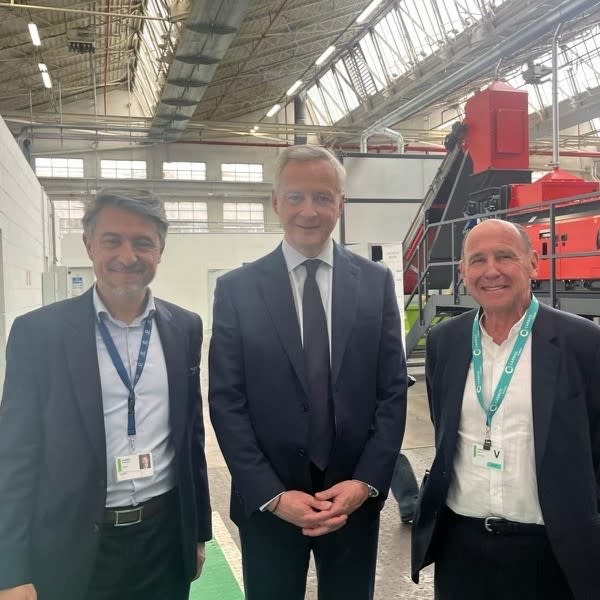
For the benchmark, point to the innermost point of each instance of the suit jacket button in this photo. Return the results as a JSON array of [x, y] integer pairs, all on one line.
[[95, 528], [302, 452]]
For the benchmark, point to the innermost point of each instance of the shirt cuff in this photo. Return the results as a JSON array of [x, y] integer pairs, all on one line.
[[373, 492], [264, 506]]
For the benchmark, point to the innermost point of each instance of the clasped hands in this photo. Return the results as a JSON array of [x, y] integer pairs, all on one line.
[[322, 513]]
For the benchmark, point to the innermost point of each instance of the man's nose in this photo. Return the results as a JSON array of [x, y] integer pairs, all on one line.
[[127, 254], [308, 206], [491, 267]]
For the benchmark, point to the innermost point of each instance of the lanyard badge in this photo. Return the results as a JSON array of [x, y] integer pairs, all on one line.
[[120, 368], [507, 373]]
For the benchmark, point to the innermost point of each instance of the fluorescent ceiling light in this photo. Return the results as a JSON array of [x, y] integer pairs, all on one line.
[[325, 55], [364, 15], [255, 128], [294, 88], [42, 67], [34, 33], [46, 79], [273, 110]]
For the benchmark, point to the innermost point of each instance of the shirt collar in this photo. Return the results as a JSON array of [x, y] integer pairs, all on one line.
[[293, 258], [100, 310], [511, 334]]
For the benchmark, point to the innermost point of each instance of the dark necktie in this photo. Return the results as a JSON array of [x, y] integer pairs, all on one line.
[[316, 351]]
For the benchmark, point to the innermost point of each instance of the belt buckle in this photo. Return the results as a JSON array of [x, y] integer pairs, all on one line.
[[127, 511], [487, 523]]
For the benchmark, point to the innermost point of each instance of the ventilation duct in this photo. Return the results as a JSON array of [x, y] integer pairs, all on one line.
[[210, 28]]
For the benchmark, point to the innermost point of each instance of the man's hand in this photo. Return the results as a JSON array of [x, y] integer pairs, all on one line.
[[345, 498], [307, 512], [200, 558], [21, 592]]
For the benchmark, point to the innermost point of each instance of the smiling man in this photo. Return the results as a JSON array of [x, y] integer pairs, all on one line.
[[308, 394], [103, 483], [510, 509]]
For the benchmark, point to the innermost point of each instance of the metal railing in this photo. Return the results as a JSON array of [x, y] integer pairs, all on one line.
[[543, 210]]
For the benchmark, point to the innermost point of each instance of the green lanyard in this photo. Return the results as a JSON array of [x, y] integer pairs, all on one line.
[[509, 367]]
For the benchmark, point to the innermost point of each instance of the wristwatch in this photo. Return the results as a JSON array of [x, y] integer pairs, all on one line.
[[373, 493]]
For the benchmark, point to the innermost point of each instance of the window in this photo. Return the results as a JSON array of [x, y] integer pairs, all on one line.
[[244, 215], [195, 171], [123, 169], [409, 32], [59, 167], [68, 215], [187, 217], [241, 172]]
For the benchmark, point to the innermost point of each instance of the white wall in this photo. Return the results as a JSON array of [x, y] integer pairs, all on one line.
[[26, 247], [183, 273], [383, 195]]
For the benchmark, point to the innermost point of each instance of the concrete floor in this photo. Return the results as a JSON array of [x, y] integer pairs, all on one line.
[[393, 564]]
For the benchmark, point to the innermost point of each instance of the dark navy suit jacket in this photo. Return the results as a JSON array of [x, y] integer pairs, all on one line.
[[53, 451], [566, 426], [258, 391]]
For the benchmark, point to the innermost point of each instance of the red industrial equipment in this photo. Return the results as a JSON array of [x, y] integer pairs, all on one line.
[[497, 177], [497, 128]]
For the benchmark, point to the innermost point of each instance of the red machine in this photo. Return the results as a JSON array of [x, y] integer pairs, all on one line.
[[496, 145]]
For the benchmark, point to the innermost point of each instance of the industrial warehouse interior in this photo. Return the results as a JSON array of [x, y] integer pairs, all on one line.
[[443, 113]]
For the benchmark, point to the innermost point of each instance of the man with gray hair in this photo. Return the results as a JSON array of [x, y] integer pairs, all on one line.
[[103, 482], [308, 394]]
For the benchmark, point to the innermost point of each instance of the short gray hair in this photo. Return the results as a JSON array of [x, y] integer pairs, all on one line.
[[140, 202], [307, 153]]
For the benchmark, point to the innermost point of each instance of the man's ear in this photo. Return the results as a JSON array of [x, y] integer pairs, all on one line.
[[88, 245]]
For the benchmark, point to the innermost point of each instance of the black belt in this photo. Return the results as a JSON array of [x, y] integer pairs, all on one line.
[[499, 526], [131, 515]]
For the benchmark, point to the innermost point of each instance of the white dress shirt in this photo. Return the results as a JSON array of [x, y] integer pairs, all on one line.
[[324, 277], [153, 432], [512, 493]]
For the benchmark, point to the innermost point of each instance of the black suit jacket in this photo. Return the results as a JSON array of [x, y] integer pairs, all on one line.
[[53, 451], [566, 424], [258, 392]]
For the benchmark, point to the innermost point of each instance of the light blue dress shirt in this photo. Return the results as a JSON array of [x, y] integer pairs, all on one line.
[[153, 431]]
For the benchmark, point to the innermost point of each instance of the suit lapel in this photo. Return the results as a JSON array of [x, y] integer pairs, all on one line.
[[545, 360], [344, 304], [82, 363], [454, 379], [174, 342], [277, 294]]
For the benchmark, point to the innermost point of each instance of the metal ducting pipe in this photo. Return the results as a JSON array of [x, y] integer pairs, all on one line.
[[396, 135], [210, 28], [522, 38], [555, 116], [300, 117]]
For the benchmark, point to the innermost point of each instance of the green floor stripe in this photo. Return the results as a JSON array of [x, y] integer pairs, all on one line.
[[217, 581]]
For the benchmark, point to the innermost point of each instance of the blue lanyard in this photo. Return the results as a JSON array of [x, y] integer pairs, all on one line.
[[507, 372], [118, 364]]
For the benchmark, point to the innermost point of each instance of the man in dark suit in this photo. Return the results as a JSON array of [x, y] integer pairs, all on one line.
[[93, 384], [308, 394], [510, 509]]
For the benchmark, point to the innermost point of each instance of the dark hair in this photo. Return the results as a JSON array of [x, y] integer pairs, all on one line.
[[140, 202]]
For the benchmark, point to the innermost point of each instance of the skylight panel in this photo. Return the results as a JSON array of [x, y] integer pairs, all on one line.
[[317, 106]]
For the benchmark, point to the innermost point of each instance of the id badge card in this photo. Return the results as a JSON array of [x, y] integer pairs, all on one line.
[[134, 466], [492, 459]]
